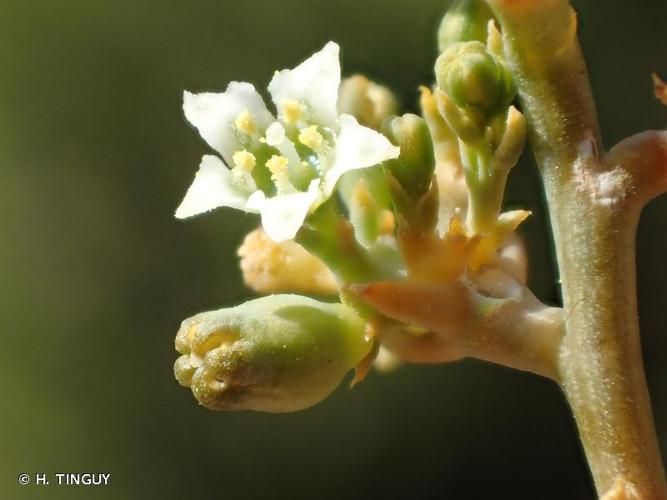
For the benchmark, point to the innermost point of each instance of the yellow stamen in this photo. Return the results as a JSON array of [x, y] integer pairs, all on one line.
[[291, 111], [277, 165], [244, 123], [243, 160], [312, 138]]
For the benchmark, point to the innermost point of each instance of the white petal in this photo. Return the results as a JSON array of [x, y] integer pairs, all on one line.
[[314, 83], [356, 147], [214, 113], [211, 188], [256, 201], [283, 215]]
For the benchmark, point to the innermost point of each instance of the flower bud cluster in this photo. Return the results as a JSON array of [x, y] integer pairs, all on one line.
[[475, 92], [330, 222]]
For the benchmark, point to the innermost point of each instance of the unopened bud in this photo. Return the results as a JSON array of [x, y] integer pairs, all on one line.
[[276, 354], [369, 102], [474, 77], [466, 20]]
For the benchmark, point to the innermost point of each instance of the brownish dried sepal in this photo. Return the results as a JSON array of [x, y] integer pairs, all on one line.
[[659, 89]]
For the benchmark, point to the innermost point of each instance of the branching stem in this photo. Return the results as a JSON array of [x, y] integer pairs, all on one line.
[[488, 316], [594, 211]]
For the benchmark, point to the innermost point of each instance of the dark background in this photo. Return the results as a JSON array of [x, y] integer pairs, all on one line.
[[96, 274]]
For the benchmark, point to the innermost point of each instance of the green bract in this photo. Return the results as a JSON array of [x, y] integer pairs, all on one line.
[[279, 353], [474, 77], [414, 167]]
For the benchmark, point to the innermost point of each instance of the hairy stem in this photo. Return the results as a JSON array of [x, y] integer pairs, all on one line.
[[600, 361], [594, 218]]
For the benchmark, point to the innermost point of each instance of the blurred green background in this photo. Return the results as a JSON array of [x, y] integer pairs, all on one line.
[[96, 273]]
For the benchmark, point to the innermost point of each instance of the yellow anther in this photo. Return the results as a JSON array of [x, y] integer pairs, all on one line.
[[312, 138], [291, 111], [243, 160], [244, 123], [277, 165]]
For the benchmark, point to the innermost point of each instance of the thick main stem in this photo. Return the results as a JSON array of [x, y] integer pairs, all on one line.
[[600, 360], [594, 220]]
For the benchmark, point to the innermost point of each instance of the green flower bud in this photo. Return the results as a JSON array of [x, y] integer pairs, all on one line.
[[414, 167], [474, 77], [466, 20], [276, 354]]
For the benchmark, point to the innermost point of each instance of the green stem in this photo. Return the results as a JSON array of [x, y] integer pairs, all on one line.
[[600, 361], [486, 187], [331, 237], [594, 227]]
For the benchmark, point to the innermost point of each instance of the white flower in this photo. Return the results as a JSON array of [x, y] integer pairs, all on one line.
[[282, 168]]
